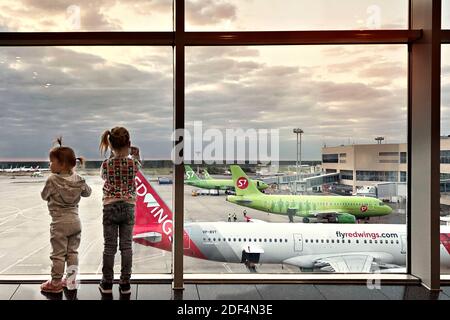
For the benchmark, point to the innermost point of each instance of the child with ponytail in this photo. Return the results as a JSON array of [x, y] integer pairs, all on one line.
[[119, 196]]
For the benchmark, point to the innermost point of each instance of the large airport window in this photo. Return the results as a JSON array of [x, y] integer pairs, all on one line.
[[216, 15], [78, 93], [391, 176], [85, 15], [388, 154], [445, 14], [445, 154], [330, 158], [277, 93], [403, 176], [346, 174], [403, 157]]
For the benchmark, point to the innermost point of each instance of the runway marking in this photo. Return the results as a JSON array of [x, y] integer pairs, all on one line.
[[14, 227], [227, 267], [24, 258]]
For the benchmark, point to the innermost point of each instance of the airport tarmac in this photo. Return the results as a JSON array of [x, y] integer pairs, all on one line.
[[24, 230]]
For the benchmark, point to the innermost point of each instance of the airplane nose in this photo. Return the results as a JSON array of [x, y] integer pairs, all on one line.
[[388, 209]]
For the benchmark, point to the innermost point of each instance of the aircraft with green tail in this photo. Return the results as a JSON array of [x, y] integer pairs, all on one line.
[[218, 184], [333, 209]]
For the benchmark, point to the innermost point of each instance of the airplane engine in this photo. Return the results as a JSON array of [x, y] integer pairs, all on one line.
[[345, 218]]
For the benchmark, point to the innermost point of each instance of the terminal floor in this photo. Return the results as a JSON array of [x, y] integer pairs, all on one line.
[[232, 292]]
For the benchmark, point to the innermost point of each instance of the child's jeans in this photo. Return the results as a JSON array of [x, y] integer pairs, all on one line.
[[118, 220], [65, 239]]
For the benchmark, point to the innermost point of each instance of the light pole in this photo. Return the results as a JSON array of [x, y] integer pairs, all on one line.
[[298, 131]]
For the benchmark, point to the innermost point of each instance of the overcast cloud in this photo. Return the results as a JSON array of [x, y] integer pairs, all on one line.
[[336, 94]]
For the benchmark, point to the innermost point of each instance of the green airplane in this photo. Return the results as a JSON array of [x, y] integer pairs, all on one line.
[[334, 209], [209, 183]]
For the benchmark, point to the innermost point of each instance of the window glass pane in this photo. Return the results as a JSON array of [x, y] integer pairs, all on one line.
[[445, 14], [218, 15], [85, 15], [445, 159], [327, 102], [77, 92]]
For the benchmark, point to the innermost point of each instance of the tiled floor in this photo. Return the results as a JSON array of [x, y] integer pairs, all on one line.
[[230, 292]]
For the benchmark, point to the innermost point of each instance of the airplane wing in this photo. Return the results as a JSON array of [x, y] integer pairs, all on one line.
[[349, 263], [358, 262]]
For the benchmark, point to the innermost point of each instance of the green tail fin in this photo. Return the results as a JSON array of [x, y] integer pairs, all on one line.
[[190, 174], [242, 184], [206, 174]]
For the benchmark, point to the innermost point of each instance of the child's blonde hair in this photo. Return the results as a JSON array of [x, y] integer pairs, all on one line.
[[116, 138], [64, 155]]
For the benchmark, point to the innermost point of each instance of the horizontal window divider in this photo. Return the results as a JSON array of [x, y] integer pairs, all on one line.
[[87, 38], [126, 38], [302, 37], [243, 278], [445, 36]]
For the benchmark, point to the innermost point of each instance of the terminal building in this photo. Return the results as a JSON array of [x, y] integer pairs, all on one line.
[[366, 164], [374, 164]]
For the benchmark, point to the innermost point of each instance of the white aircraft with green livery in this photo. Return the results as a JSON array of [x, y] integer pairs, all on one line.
[[210, 183], [334, 209]]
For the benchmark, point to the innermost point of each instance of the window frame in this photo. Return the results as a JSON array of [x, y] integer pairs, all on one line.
[[429, 20]]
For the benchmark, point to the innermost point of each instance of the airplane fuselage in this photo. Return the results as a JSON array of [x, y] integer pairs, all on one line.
[[360, 207], [220, 184], [296, 244]]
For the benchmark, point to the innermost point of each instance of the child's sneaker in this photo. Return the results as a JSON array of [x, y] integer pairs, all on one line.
[[105, 287], [49, 287], [124, 288], [69, 284]]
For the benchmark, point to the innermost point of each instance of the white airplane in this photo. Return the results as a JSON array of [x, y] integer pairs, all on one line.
[[328, 247]]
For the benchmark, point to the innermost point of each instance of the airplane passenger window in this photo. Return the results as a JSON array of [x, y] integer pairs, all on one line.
[[357, 241], [245, 239], [274, 240], [349, 241], [328, 241]]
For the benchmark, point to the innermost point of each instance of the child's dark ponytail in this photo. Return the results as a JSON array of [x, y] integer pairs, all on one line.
[[117, 138], [104, 142]]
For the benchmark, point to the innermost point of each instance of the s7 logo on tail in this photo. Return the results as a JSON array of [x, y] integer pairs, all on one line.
[[242, 183]]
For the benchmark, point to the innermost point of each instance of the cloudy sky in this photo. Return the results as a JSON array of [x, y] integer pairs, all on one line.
[[336, 94]]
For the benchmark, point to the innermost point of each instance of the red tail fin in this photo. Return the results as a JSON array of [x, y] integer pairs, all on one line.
[[150, 208]]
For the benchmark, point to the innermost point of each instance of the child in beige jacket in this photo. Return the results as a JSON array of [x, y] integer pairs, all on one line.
[[63, 190]]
